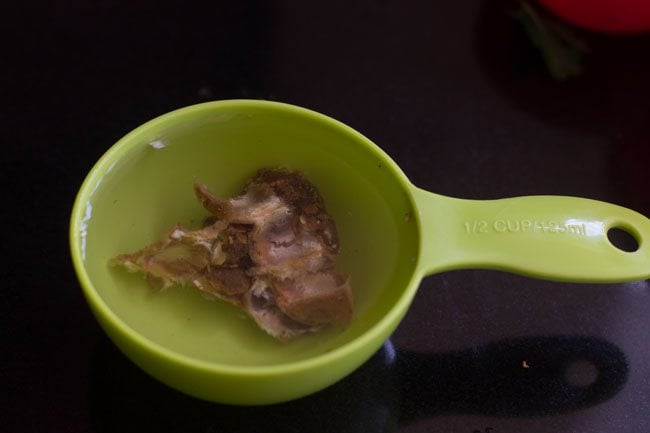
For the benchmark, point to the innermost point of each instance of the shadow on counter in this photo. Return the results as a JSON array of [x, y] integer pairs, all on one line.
[[534, 376]]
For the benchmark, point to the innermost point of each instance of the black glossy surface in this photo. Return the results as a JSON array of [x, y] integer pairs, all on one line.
[[452, 91]]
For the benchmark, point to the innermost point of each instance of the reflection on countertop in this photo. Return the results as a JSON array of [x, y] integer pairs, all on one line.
[[531, 376]]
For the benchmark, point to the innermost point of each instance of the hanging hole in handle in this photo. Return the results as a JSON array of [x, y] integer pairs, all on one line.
[[623, 239]]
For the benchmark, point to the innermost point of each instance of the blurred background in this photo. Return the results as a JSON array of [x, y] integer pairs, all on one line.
[[473, 99]]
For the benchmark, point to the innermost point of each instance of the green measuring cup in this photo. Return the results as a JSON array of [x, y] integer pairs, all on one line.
[[392, 235]]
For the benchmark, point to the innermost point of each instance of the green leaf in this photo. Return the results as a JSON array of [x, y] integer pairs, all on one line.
[[561, 50]]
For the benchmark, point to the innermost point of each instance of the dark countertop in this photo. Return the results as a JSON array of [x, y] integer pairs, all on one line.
[[453, 91]]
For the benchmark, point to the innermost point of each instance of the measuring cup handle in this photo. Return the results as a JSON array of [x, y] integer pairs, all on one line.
[[549, 237]]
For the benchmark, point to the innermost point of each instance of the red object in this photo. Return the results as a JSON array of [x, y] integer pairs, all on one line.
[[608, 16]]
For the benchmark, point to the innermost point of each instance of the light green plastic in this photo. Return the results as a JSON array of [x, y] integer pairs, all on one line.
[[392, 235]]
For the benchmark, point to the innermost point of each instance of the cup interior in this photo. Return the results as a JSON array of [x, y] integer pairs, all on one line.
[[143, 185]]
